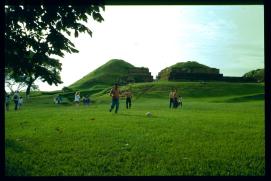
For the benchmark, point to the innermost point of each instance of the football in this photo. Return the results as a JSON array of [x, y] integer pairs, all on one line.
[[149, 114]]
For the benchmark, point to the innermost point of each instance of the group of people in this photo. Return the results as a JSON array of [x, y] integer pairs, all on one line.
[[18, 101], [85, 99], [58, 99], [115, 93], [175, 100]]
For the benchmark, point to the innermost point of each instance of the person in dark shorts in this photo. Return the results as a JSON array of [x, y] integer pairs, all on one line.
[[16, 100], [115, 94], [128, 95], [171, 99], [7, 102], [175, 99]]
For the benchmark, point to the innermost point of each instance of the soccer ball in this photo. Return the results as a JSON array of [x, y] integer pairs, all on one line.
[[148, 114]]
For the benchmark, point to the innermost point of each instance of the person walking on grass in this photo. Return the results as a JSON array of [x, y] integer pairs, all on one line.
[[115, 94], [77, 98], [175, 99], [180, 101], [87, 100], [7, 101], [20, 102], [16, 100], [128, 95], [171, 98]]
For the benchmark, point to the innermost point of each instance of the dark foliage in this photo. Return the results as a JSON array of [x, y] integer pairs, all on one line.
[[34, 33]]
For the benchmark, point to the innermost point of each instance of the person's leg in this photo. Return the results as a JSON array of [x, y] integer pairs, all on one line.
[[16, 105], [117, 106], [174, 103], [112, 105], [170, 102]]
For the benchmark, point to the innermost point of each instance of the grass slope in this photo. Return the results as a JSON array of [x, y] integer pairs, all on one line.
[[106, 74]]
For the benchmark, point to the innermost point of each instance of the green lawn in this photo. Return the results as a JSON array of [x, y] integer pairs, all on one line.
[[208, 136]]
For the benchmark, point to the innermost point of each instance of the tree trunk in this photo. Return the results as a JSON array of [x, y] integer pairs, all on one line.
[[28, 90]]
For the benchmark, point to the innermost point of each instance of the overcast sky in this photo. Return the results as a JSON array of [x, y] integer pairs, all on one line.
[[230, 38]]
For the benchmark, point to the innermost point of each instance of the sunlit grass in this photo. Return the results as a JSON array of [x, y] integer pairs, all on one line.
[[202, 138]]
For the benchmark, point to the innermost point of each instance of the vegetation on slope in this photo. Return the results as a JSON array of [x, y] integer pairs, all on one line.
[[160, 90], [257, 75], [187, 67], [106, 74]]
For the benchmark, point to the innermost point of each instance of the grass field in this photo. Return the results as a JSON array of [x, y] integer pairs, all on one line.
[[220, 133]]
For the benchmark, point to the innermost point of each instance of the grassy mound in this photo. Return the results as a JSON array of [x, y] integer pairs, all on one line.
[[186, 67], [106, 74], [257, 75]]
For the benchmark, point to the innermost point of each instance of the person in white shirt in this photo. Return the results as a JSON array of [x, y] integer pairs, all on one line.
[[77, 98], [20, 102]]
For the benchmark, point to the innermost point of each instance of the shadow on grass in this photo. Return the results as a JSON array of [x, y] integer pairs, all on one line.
[[134, 115], [14, 167], [14, 145], [255, 97]]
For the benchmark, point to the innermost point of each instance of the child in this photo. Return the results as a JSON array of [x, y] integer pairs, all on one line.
[[77, 98], [55, 100], [16, 100], [84, 100], [87, 101], [180, 101], [59, 99], [20, 102], [7, 102]]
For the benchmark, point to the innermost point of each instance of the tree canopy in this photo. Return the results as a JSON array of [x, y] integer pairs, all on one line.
[[33, 33]]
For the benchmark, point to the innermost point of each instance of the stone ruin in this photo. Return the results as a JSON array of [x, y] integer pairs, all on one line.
[[190, 73], [137, 74]]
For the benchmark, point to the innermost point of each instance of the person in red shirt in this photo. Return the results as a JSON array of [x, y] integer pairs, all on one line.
[[115, 94]]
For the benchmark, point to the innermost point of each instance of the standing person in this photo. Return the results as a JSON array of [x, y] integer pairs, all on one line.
[[175, 99], [84, 100], [20, 102], [7, 102], [55, 100], [87, 100], [59, 99], [16, 100], [171, 98], [180, 101], [115, 93], [77, 98], [128, 99]]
